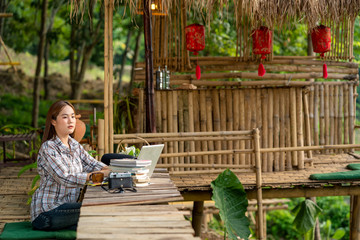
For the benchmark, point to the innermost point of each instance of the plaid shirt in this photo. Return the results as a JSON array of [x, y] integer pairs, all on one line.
[[63, 173]]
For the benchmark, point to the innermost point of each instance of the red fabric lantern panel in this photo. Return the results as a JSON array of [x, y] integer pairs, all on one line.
[[262, 44], [321, 41], [195, 41]]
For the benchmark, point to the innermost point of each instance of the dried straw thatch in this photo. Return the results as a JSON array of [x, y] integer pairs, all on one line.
[[259, 12]]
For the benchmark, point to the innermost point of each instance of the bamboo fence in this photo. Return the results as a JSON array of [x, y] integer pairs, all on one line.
[[322, 114]]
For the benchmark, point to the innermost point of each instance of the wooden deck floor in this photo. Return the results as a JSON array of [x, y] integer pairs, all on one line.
[[287, 180], [13, 195]]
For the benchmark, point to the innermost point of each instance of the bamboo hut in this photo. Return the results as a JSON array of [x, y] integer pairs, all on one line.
[[306, 124]]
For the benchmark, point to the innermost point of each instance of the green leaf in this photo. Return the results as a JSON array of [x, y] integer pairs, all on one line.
[[27, 167], [305, 219], [338, 234], [34, 181], [230, 198]]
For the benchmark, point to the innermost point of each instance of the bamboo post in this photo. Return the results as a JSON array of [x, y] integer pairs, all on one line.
[[203, 120], [191, 121], [332, 114], [170, 109], [316, 115], [264, 104], [322, 115], [164, 119], [158, 110], [196, 101], [216, 116], [141, 110], [299, 122], [276, 121], [247, 123], [340, 119], [242, 122], [351, 116], [229, 120], [346, 113], [260, 219], [270, 117], [223, 121], [253, 117], [101, 138], [327, 115], [236, 122], [288, 141], [282, 128], [311, 112], [354, 217], [307, 122], [182, 122], [111, 77], [106, 77], [293, 125], [175, 126], [209, 122], [258, 115], [336, 116]]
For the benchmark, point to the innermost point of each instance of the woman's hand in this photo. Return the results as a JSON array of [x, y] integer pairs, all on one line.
[[106, 170]]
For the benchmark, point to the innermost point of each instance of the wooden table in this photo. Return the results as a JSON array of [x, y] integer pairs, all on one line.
[[134, 215]]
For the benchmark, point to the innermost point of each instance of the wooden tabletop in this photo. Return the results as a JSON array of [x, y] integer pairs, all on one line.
[[160, 190], [134, 222], [132, 215]]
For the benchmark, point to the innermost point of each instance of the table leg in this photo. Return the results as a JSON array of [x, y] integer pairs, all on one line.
[[197, 215]]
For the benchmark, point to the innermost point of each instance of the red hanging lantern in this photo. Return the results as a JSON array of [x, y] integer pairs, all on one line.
[[321, 41], [195, 41], [262, 44]]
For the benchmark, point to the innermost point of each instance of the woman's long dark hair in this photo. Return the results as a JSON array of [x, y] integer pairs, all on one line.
[[54, 110]]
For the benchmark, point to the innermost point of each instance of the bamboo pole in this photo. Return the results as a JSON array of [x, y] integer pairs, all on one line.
[[351, 115], [197, 122], [202, 165], [340, 120], [106, 77], [316, 115], [209, 122], [299, 122], [265, 130], [346, 113], [191, 121], [164, 119], [223, 121], [242, 122], [182, 122], [170, 109], [332, 115], [288, 142], [248, 122], [327, 114], [270, 117], [282, 121], [307, 122], [310, 97], [260, 219], [229, 120], [258, 115], [322, 115], [293, 119], [158, 110], [236, 125], [203, 120], [336, 115], [165, 139], [216, 116], [308, 148], [141, 111], [252, 118], [111, 77], [101, 138], [174, 116]]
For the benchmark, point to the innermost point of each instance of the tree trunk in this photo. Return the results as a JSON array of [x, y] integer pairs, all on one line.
[[46, 70], [123, 60], [36, 93], [135, 57], [80, 52]]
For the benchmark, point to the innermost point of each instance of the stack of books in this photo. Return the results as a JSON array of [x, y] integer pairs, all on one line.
[[139, 169]]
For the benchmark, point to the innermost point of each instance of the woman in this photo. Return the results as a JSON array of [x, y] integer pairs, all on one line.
[[64, 167]]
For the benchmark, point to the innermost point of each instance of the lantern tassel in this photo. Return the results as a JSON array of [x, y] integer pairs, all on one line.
[[198, 72], [325, 73], [261, 70]]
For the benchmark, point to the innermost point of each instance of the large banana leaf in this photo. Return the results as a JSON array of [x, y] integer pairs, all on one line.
[[230, 198]]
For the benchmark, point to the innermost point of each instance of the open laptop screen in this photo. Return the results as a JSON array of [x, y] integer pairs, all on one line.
[[151, 152]]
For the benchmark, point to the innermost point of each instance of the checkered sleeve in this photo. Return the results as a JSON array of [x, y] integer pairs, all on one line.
[[89, 163], [54, 163]]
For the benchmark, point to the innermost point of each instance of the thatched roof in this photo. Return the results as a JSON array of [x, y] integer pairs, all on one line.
[[259, 12]]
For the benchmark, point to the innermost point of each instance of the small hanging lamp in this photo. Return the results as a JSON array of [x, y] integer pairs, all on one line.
[[195, 41], [262, 44], [321, 41]]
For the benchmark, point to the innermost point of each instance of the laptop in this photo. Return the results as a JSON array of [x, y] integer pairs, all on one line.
[[151, 152]]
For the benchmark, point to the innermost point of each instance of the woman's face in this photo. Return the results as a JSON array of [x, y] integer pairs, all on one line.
[[65, 122]]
